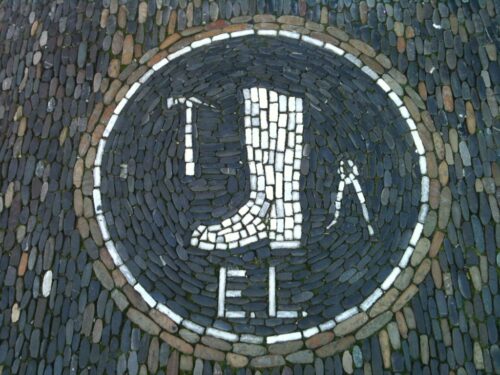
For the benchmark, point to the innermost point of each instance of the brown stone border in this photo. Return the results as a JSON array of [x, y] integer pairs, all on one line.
[[324, 344]]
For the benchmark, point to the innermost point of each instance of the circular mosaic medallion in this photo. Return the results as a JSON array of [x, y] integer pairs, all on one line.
[[260, 186]]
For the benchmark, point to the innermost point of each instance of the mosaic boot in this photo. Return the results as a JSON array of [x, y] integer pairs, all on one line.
[[273, 140]]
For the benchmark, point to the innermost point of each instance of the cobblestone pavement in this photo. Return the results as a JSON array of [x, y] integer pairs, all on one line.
[[249, 187]]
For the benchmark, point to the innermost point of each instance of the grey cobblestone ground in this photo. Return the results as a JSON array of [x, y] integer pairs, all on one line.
[[64, 65]]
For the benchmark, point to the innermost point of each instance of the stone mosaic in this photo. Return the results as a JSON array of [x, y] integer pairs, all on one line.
[[258, 258], [374, 192]]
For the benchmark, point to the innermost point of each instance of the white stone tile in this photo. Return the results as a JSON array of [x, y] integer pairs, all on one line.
[[171, 102], [265, 139], [218, 246], [406, 257], [355, 183], [194, 241], [127, 274], [288, 192], [190, 169], [227, 223], [289, 34], [220, 37], [236, 34], [123, 171], [346, 314], [253, 182], [172, 315], [145, 295], [364, 208], [411, 124], [371, 299], [254, 96], [334, 49], [249, 240], [206, 246], [146, 76], [273, 112], [97, 176], [424, 196], [390, 279], [188, 155], [287, 314], [262, 98], [298, 107], [283, 107], [265, 207], [369, 72], [248, 218], [244, 209], [326, 326], [354, 60], [313, 41], [202, 42], [281, 139], [416, 234], [131, 91], [404, 112], [189, 116], [288, 174], [255, 113], [231, 337], [235, 314], [284, 244], [418, 142], [310, 332], [47, 283], [160, 64], [424, 210], [297, 162], [267, 32], [179, 53], [120, 106], [251, 339], [422, 162], [383, 85], [100, 152], [297, 230], [193, 326], [272, 291], [117, 260], [110, 126], [102, 225], [291, 127], [291, 104], [96, 197], [236, 273], [230, 237], [396, 99], [284, 337], [212, 237]]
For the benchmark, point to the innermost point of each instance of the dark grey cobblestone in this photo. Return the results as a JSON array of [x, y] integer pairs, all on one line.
[[55, 69]]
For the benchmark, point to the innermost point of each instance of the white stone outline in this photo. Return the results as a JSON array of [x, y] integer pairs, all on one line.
[[298, 334]]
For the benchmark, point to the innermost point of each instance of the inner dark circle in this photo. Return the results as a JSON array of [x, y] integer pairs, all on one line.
[[152, 206]]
